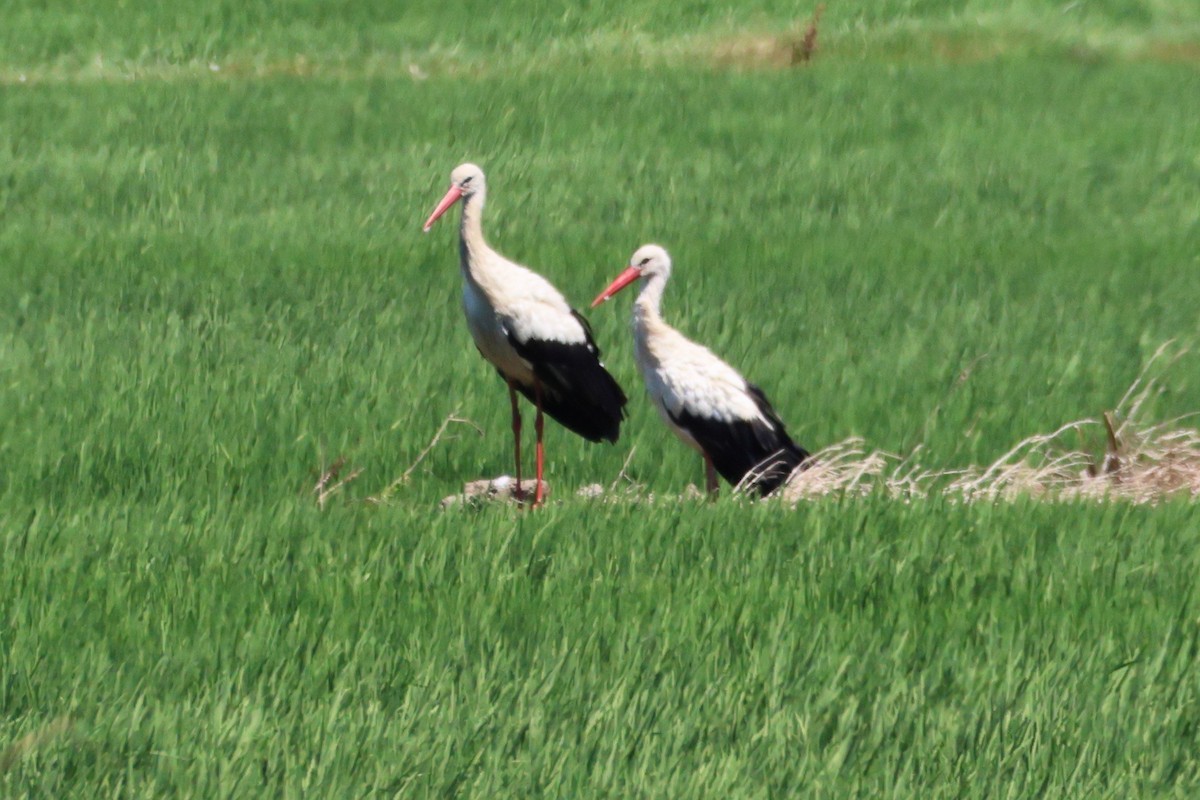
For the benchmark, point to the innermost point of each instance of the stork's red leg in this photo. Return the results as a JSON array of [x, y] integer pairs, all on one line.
[[518, 493], [710, 478], [537, 426]]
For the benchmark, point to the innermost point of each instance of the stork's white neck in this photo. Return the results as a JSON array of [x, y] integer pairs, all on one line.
[[471, 245], [646, 309]]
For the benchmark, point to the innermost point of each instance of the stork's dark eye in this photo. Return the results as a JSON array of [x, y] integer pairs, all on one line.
[[643, 262], [466, 180]]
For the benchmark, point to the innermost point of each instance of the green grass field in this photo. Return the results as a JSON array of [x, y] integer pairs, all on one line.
[[960, 224]]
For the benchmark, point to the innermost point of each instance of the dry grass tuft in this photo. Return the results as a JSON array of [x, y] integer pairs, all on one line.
[[451, 418], [329, 480], [754, 51], [848, 468], [328, 483], [1140, 463], [807, 45], [1130, 460], [1170, 52], [770, 51], [1137, 461]]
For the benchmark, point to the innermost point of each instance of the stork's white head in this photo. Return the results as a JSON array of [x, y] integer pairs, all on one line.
[[648, 261], [651, 260], [465, 181], [468, 178]]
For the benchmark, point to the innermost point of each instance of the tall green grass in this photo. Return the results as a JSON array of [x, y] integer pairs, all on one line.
[[848, 649], [211, 287]]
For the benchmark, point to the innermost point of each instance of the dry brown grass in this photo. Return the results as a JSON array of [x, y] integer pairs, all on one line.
[[452, 418], [848, 468], [1139, 462], [769, 50], [1150, 463], [1170, 52], [808, 42], [1117, 456], [329, 481]]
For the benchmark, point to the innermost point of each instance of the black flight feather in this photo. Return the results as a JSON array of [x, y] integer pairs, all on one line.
[[577, 390], [742, 447]]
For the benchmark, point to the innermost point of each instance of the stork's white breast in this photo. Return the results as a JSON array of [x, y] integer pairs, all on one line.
[[509, 299]]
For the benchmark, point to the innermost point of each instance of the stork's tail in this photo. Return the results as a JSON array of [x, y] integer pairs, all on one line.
[[774, 471], [587, 400]]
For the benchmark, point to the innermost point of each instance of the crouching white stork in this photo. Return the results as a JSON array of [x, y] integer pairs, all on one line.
[[705, 401], [521, 324]]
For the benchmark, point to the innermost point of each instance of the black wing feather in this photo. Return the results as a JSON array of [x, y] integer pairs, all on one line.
[[577, 390], [740, 448]]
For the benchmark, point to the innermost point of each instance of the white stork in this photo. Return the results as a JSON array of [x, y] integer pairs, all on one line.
[[708, 405], [522, 325]]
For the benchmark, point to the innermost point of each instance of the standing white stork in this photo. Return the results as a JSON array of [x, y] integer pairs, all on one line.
[[522, 325], [708, 405]]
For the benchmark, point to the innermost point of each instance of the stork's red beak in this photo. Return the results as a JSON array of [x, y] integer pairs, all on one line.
[[627, 277], [450, 199]]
